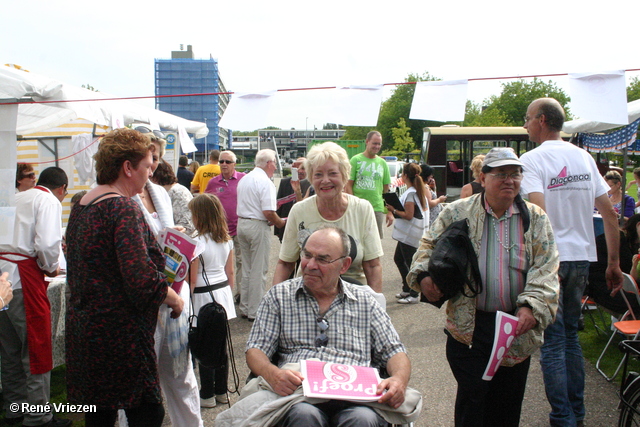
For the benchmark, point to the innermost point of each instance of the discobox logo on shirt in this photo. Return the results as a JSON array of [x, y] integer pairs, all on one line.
[[564, 178]]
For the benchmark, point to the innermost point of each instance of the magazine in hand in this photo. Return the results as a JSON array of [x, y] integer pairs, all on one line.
[[393, 200], [505, 334], [179, 250], [327, 380]]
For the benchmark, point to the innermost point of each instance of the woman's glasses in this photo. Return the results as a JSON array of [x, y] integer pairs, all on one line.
[[229, 162], [144, 129], [322, 340]]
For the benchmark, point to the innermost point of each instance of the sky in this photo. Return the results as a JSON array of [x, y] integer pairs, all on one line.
[[283, 44]]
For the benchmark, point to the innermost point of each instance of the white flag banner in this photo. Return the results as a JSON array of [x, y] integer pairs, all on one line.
[[356, 105], [248, 111], [441, 101], [599, 96], [186, 143], [117, 120]]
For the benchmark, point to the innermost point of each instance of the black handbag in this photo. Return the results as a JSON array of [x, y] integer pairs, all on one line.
[[453, 254], [208, 340], [449, 260]]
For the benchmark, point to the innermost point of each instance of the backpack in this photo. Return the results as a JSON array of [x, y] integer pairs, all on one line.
[[208, 340], [448, 263]]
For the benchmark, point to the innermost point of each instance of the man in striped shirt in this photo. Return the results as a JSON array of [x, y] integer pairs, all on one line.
[[518, 263]]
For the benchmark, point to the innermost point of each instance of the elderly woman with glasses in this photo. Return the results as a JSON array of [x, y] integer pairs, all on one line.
[[328, 169], [177, 377]]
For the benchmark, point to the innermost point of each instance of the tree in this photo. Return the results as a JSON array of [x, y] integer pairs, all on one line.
[[399, 106], [89, 87], [512, 103], [355, 133], [476, 115], [402, 140], [331, 126], [633, 90]]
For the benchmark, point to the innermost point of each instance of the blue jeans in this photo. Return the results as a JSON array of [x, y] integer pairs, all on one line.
[[561, 355]]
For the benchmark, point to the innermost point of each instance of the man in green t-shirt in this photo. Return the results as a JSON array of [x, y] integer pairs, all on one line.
[[370, 178]]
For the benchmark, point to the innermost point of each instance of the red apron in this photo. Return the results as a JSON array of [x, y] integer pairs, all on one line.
[[37, 310]]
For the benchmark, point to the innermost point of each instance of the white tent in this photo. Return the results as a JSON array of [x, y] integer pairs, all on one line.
[[19, 84], [582, 125]]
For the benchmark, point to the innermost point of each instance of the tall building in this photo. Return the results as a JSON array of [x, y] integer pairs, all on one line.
[[182, 74]]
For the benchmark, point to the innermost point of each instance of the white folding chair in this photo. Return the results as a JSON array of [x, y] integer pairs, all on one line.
[[628, 325]]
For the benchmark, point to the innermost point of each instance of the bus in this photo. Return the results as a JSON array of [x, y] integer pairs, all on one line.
[[450, 149]]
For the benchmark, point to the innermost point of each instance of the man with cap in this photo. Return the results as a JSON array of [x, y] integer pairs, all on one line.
[[518, 262]]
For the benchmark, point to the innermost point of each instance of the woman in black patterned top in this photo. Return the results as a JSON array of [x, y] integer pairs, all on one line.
[[115, 276]]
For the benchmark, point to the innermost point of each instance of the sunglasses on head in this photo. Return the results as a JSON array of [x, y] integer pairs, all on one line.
[[144, 129]]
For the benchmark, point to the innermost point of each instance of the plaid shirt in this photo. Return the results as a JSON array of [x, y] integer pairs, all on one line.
[[360, 332]]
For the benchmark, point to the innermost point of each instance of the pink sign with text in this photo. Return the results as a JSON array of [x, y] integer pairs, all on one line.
[[341, 382]]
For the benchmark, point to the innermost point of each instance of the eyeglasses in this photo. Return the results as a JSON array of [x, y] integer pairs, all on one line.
[[527, 118], [228, 162], [322, 340], [320, 259], [29, 175], [144, 129], [516, 176]]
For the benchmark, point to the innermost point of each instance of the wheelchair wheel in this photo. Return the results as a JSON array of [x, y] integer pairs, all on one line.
[[630, 405]]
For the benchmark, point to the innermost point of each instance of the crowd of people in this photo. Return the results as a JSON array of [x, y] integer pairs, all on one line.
[[127, 326]]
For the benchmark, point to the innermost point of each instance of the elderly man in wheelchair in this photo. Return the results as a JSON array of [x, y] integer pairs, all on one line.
[[320, 316]]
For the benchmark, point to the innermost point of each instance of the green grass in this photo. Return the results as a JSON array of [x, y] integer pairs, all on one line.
[[593, 342]]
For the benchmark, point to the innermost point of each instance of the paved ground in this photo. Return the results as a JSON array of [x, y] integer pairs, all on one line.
[[420, 327]]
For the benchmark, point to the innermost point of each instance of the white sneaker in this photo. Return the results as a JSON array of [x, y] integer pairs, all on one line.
[[402, 295], [409, 300], [222, 398], [208, 403]]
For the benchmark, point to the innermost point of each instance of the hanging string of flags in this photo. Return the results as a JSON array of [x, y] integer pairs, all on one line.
[[614, 141]]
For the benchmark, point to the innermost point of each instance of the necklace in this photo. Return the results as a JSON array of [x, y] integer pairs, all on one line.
[[506, 233]]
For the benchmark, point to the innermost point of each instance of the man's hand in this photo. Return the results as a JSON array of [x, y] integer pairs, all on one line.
[[53, 273], [526, 321], [430, 290], [285, 381], [614, 278], [395, 388]]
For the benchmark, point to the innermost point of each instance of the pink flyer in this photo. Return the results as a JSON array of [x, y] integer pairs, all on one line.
[[341, 382], [505, 334], [179, 249]]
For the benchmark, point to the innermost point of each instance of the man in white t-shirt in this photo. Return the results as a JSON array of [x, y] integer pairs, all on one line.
[[256, 212], [564, 180]]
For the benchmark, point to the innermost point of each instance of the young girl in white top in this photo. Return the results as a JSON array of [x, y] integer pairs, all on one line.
[[211, 224]]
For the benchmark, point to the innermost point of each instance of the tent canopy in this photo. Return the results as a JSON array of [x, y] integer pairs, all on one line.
[[18, 84], [582, 125]]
